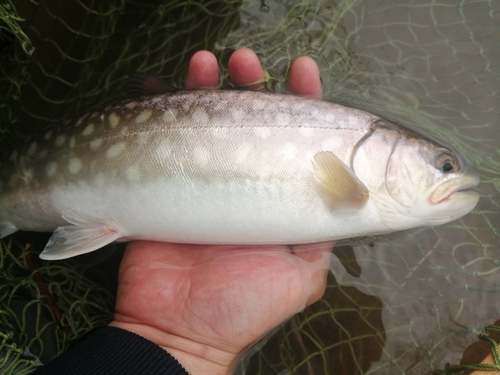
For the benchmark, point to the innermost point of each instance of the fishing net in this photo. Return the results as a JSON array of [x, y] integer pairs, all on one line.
[[409, 303]]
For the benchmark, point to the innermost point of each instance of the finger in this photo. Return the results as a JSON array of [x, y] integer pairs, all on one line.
[[244, 67], [203, 71], [304, 78]]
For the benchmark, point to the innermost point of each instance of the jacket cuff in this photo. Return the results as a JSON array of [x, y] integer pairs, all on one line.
[[113, 351]]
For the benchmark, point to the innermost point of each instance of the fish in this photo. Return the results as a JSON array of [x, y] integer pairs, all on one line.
[[228, 167]]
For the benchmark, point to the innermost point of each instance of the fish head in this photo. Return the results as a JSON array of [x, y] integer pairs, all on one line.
[[429, 181]]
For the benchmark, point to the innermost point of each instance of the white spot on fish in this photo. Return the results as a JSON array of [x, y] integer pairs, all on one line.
[[99, 179], [114, 119], [131, 105], [186, 106], [51, 169], [315, 114], [72, 141], [94, 115], [262, 132], [265, 171], [27, 175], [328, 116], [309, 157], [237, 114], [332, 144], [60, 140], [42, 153], [202, 155], [47, 135], [32, 148], [306, 132], [199, 115], [283, 118], [133, 173], [170, 115], [242, 152], [258, 105], [89, 129], [116, 149], [124, 130], [220, 106], [74, 165], [156, 101], [289, 151], [143, 116], [143, 138], [219, 132], [95, 144]]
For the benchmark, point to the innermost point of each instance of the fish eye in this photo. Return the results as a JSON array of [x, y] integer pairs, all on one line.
[[447, 163], [447, 167]]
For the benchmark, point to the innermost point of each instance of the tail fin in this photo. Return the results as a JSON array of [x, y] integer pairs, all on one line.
[[6, 228]]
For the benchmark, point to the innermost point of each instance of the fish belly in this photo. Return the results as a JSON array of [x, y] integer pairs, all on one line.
[[234, 213]]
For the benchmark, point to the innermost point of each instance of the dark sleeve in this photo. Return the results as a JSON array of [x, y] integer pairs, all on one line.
[[112, 351]]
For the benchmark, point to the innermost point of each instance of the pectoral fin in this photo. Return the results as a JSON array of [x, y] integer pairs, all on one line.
[[84, 236], [338, 186]]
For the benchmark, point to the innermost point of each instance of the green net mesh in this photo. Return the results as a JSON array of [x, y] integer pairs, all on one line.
[[409, 303]]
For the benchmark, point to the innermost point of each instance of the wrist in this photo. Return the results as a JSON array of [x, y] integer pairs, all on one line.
[[195, 357]]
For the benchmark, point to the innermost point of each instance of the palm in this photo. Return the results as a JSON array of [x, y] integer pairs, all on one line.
[[216, 293]]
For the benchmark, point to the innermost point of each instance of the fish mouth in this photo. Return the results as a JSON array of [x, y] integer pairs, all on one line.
[[455, 190]]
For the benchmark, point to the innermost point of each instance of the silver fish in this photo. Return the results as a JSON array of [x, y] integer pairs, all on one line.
[[228, 167]]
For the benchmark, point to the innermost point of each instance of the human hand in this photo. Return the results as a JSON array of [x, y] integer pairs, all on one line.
[[206, 305], [244, 67]]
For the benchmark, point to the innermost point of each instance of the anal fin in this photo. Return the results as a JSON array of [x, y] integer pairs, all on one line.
[[84, 236]]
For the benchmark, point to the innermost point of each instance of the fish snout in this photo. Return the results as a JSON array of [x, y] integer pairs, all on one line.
[[455, 190]]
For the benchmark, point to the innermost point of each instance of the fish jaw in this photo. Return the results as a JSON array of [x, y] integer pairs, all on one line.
[[452, 199], [455, 189]]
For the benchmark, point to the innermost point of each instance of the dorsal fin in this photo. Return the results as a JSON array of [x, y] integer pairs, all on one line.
[[141, 84]]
